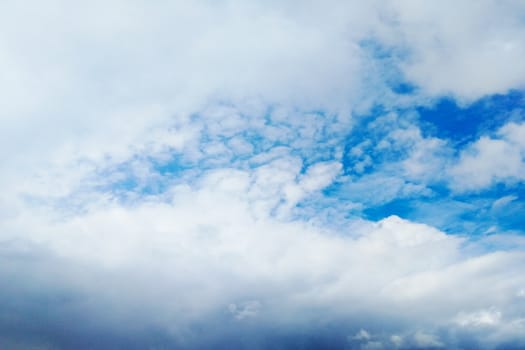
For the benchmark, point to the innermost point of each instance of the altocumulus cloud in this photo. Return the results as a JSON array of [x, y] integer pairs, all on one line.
[[257, 175]]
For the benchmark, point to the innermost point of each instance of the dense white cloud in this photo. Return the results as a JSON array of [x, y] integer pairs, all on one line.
[[215, 250], [492, 159], [459, 48]]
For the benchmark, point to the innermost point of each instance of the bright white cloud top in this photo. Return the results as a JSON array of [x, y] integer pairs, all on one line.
[[252, 175]]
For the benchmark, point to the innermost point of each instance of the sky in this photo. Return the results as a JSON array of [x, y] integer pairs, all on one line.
[[262, 174]]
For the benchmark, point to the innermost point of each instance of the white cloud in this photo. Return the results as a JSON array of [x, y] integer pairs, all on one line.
[[247, 106], [397, 340], [213, 245], [489, 160], [480, 318], [460, 48], [361, 335], [425, 340]]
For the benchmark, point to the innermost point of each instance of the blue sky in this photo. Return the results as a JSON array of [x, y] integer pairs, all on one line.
[[253, 175], [440, 206]]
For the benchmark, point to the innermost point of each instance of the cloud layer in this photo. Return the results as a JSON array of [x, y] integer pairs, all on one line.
[[262, 175]]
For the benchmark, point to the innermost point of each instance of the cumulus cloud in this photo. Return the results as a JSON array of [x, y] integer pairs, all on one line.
[[460, 49], [492, 159], [211, 256], [181, 175]]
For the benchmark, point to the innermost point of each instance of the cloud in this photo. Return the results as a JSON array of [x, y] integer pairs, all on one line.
[[213, 251], [480, 318], [502, 202], [491, 159], [195, 175], [459, 49], [424, 340], [361, 335]]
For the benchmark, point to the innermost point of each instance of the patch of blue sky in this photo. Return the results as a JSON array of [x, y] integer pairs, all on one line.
[[174, 166], [499, 209], [374, 178], [463, 124], [502, 204], [403, 88]]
